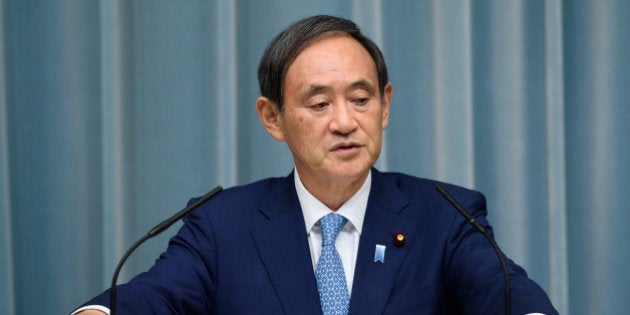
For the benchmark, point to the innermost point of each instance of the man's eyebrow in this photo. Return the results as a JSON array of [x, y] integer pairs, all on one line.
[[363, 84], [314, 89]]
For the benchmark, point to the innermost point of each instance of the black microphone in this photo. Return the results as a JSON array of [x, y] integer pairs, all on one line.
[[481, 230], [153, 232]]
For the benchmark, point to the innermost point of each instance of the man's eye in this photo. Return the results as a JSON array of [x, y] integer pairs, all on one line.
[[361, 101], [319, 106]]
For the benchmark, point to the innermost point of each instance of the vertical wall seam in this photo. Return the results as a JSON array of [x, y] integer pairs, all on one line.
[[441, 122], [470, 114], [5, 172], [557, 226], [111, 135], [227, 118], [453, 112]]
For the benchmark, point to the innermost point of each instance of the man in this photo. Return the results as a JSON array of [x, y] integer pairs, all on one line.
[[336, 235]]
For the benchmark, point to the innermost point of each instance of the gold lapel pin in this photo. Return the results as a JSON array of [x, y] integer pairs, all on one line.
[[399, 239]]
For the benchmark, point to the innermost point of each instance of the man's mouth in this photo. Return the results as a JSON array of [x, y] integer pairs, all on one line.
[[345, 146]]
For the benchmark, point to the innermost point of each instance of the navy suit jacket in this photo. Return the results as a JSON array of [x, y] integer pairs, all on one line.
[[246, 252]]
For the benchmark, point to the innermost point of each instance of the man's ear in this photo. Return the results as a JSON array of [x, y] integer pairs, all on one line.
[[388, 92], [269, 115]]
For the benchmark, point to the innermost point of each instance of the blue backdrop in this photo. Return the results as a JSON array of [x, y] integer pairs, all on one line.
[[114, 112]]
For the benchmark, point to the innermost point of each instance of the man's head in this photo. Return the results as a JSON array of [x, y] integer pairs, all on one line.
[[325, 93], [335, 105], [285, 47]]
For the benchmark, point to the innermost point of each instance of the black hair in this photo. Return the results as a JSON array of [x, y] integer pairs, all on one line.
[[285, 47]]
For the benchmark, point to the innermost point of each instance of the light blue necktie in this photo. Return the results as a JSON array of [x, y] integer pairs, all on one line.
[[331, 281]]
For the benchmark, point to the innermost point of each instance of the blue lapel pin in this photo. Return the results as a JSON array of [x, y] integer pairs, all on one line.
[[379, 253]]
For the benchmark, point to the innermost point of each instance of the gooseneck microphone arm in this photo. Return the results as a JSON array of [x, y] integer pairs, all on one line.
[[482, 230], [153, 232]]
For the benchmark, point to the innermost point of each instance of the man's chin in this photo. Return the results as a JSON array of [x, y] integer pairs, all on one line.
[[350, 175]]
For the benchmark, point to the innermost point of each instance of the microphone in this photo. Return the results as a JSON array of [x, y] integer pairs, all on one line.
[[153, 232], [483, 231]]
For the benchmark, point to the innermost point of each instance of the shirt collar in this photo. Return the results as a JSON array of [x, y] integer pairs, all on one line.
[[353, 209]]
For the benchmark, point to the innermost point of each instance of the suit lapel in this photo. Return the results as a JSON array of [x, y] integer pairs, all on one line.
[[283, 247], [373, 281]]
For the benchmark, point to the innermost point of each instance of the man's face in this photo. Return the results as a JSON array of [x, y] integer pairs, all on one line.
[[333, 114]]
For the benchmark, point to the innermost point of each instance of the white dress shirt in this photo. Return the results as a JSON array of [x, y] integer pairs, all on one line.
[[347, 242]]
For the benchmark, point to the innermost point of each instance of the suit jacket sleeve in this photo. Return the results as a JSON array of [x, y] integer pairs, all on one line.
[[474, 274], [180, 282]]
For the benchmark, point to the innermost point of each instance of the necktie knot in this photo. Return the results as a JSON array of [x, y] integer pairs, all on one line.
[[331, 225]]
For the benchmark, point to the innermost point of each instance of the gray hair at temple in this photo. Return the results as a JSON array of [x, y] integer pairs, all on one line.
[[285, 47]]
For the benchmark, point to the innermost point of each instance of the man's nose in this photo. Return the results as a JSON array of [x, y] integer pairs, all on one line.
[[343, 118]]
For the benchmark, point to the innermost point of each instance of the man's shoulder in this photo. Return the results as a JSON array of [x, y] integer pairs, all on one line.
[[419, 187], [244, 198], [404, 179], [258, 187]]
